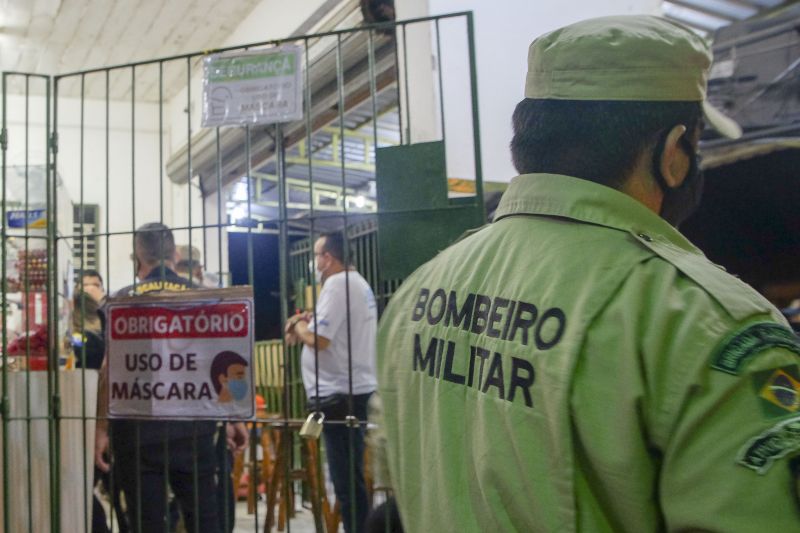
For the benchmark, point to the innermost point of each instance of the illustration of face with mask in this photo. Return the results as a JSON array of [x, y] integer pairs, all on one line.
[[229, 377]]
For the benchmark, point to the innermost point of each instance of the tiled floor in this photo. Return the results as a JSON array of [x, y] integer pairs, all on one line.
[[302, 522]]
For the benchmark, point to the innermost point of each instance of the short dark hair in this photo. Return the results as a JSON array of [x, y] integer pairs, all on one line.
[[155, 243], [220, 365], [598, 141], [92, 273], [334, 244]]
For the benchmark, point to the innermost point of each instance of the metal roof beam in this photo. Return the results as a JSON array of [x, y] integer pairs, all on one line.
[[705, 10]]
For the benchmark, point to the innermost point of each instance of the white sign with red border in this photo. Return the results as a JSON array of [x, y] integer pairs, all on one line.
[[181, 355]]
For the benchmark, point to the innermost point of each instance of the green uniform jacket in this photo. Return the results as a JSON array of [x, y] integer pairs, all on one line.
[[578, 365]]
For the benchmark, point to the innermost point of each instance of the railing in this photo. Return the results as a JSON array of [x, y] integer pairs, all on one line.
[[271, 376]]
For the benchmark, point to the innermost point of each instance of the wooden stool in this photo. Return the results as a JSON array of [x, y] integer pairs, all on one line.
[[283, 433]]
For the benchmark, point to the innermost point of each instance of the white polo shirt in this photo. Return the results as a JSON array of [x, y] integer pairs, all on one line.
[[332, 323]]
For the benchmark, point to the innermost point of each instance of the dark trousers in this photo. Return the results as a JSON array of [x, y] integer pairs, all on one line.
[[351, 491], [226, 499], [99, 518], [146, 493]]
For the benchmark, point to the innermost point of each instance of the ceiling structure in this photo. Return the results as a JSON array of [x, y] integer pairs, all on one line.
[[707, 16], [62, 36]]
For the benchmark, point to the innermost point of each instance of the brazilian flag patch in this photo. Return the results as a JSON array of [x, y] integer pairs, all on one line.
[[778, 390], [740, 347]]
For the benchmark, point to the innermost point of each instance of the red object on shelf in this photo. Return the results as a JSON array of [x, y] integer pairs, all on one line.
[[37, 362], [33, 343]]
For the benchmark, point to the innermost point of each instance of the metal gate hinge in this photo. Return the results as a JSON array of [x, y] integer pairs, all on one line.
[[4, 139], [54, 142]]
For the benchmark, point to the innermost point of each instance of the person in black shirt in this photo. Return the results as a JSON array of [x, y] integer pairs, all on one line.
[[87, 335], [147, 454]]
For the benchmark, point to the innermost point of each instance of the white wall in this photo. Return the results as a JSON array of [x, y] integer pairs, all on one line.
[[503, 31], [94, 172]]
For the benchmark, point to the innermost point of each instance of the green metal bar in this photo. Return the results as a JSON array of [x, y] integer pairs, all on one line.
[[405, 82], [52, 292], [476, 129], [283, 270], [5, 407], [312, 276], [250, 271], [195, 469], [108, 178], [373, 89], [112, 489], [161, 219], [219, 209], [137, 424], [160, 141], [398, 91], [138, 482], [347, 260], [189, 164], [301, 271], [83, 306], [26, 292], [195, 481], [251, 282], [441, 85], [166, 485], [225, 473], [133, 175]]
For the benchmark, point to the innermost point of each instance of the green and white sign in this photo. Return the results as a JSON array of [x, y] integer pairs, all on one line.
[[260, 87]]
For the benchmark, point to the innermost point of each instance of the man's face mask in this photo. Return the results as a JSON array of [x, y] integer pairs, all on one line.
[[680, 202], [238, 388]]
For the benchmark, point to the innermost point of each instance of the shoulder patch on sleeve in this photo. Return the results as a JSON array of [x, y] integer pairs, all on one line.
[[742, 345], [778, 441]]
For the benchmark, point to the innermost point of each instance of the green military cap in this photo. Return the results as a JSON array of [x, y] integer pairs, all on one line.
[[634, 57]]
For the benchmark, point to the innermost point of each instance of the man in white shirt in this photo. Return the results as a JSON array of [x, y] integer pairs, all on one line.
[[339, 369]]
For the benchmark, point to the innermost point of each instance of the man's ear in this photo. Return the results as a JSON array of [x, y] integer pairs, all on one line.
[[674, 164], [223, 378]]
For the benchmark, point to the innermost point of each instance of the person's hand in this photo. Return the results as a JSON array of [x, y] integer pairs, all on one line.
[[292, 321], [236, 436], [101, 449], [291, 325]]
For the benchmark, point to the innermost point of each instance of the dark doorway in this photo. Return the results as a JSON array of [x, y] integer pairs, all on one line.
[[266, 286], [749, 222]]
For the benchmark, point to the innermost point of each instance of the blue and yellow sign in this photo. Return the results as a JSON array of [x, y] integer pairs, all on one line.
[[31, 218]]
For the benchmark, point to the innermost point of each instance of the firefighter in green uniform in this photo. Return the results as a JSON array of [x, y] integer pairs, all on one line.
[[579, 365]]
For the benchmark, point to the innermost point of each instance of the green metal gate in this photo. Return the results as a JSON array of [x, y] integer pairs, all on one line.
[[101, 140]]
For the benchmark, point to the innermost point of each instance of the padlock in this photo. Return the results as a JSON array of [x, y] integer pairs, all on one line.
[[312, 427]]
